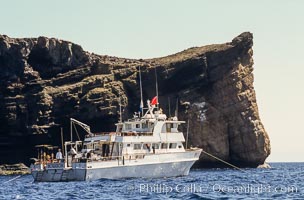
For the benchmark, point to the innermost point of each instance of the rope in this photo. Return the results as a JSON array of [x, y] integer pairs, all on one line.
[[12, 179], [231, 165]]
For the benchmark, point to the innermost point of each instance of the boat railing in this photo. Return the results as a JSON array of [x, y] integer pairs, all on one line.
[[97, 159], [111, 158], [134, 156], [55, 166], [44, 162], [135, 133], [100, 134], [192, 149]]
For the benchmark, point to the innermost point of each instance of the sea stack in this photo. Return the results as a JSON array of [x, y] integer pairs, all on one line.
[[45, 81]]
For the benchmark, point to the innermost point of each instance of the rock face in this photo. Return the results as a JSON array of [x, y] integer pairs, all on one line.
[[45, 81]]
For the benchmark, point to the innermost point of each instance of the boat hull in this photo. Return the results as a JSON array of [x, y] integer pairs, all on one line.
[[154, 166], [157, 170]]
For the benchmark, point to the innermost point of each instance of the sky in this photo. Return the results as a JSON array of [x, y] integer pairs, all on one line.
[[146, 29]]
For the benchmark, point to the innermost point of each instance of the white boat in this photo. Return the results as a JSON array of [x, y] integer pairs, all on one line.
[[149, 145]]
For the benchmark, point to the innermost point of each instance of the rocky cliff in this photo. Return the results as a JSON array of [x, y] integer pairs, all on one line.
[[45, 81]]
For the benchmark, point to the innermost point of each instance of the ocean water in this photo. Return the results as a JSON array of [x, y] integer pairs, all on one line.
[[282, 181]]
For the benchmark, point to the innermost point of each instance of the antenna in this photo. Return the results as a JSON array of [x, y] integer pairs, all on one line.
[[141, 106], [120, 115], [187, 134], [62, 146], [156, 87], [176, 108], [169, 106]]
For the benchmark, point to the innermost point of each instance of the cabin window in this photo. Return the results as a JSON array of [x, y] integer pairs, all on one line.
[[179, 146], [119, 128], [128, 126], [137, 125], [155, 145], [164, 145], [172, 146], [128, 145], [144, 125], [146, 146], [137, 146]]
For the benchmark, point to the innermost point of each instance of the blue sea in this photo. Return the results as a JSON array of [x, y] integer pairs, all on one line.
[[282, 181]]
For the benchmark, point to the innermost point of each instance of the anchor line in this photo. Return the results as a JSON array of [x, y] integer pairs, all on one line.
[[12, 179], [227, 163]]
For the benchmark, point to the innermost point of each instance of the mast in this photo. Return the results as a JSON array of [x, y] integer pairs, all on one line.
[[62, 146], [141, 106]]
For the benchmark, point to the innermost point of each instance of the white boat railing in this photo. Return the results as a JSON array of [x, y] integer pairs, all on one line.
[[110, 158], [135, 133]]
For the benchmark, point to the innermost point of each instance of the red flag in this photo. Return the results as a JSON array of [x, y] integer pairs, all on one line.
[[154, 101]]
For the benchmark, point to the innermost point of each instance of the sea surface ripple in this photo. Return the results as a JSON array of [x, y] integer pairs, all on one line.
[[282, 181]]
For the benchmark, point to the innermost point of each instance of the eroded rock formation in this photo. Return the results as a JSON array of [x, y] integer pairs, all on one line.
[[45, 81]]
